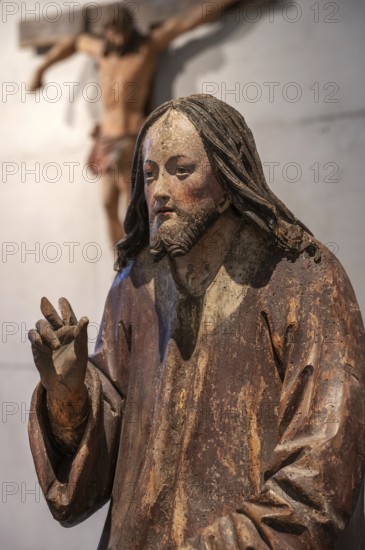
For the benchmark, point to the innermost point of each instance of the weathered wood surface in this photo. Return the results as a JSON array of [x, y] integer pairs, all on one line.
[[227, 388]]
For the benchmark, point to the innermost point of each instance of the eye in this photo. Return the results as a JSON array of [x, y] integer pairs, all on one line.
[[183, 172], [149, 175]]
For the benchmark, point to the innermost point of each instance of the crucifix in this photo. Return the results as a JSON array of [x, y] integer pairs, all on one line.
[[42, 29]]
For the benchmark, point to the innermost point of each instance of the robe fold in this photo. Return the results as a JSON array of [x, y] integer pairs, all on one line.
[[226, 419]]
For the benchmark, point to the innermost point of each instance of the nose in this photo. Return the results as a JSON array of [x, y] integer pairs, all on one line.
[[162, 188]]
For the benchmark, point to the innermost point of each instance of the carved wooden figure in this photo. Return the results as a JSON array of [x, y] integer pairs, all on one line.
[[127, 61], [223, 408]]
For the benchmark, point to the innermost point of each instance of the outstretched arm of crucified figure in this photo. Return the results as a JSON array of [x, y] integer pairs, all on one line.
[[62, 50], [202, 12]]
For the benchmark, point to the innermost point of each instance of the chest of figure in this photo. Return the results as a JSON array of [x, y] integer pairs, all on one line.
[[201, 414], [202, 406], [119, 73], [206, 364]]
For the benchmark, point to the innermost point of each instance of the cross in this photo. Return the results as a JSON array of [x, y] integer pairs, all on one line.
[[41, 28]]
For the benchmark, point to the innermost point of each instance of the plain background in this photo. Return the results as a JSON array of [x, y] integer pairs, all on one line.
[[297, 75]]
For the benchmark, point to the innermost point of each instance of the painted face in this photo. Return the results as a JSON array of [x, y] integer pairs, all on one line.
[[183, 196], [117, 38]]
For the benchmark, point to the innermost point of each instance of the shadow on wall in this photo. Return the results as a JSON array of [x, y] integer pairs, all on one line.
[[172, 62]]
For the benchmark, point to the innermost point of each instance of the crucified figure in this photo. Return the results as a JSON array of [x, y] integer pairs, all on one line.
[[127, 62]]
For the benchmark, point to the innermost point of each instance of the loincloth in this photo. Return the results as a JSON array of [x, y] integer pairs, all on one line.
[[109, 153]]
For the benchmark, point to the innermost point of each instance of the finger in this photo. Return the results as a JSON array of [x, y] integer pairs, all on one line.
[[68, 316], [47, 335], [81, 329], [81, 336], [36, 341], [66, 334], [41, 353], [51, 314], [81, 326]]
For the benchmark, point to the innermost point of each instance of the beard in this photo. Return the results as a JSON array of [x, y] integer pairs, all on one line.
[[178, 236], [111, 47]]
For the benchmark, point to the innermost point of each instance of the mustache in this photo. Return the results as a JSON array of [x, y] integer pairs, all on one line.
[[185, 215], [168, 206]]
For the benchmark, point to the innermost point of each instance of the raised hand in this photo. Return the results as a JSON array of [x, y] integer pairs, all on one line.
[[60, 353]]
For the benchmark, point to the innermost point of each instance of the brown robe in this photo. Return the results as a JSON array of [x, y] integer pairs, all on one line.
[[228, 420]]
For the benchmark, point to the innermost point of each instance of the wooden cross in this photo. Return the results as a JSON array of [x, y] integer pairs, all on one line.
[[41, 29]]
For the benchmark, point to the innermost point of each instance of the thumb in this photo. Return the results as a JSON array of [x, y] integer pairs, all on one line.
[[80, 335]]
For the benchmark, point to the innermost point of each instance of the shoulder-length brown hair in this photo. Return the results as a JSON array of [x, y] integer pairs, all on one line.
[[232, 153]]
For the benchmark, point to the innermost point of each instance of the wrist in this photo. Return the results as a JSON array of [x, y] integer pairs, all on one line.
[[68, 408], [67, 423]]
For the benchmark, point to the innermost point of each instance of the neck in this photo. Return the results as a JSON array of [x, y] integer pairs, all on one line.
[[196, 270]]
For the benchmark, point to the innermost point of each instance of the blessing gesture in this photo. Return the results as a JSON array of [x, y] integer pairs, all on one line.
[[59, 346]]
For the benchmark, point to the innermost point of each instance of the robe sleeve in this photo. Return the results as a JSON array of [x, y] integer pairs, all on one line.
[[77, 485], [313, 480]]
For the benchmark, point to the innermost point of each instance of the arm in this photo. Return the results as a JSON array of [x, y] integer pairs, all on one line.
[[313, 481], [204, 12], [64, 49], [77, 483], [69, 448]]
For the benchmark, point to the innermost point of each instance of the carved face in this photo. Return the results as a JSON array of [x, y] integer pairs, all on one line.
[[117, 38], [118, 28], [183, 196]]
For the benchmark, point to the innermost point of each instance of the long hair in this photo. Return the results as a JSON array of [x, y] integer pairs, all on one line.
[[121, 20], [232, 153]]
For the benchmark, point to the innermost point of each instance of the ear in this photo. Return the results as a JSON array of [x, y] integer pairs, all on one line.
[[224, 204]]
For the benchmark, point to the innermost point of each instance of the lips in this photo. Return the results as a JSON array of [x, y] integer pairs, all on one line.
[[164, 210]]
